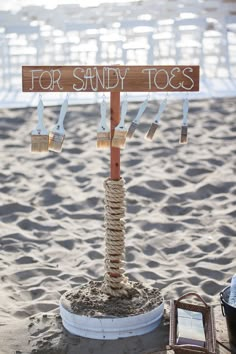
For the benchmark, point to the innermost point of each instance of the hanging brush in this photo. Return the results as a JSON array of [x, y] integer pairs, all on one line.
[[156, 122], [120, 132], [184, 129], [39, 136], [103, 132], [57, 135], [136, 120]]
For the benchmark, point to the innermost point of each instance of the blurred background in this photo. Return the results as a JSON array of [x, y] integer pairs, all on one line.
[[163, 32]]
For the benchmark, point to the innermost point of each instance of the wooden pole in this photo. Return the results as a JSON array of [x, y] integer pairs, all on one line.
[[115, 152]]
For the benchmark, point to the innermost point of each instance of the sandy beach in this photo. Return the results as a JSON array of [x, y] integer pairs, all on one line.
[[180, 221]]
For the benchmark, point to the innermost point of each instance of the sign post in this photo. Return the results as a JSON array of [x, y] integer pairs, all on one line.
[[113, 79]]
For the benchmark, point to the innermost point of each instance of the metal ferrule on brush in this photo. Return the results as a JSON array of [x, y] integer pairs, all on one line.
[[119, 139], [103, 141], [39, 142], [131, 130], [151, 131], [39, 136], [184, 134], [56, 139]]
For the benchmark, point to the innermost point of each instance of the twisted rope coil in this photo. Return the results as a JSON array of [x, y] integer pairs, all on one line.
[[115, 282]]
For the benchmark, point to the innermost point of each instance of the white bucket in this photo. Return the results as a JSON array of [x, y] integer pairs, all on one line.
[[109, 327]]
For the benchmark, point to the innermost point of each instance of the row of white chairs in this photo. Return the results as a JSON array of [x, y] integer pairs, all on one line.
[[110, 12], [36, 35]]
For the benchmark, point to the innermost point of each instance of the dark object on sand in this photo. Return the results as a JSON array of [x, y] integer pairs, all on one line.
[[184, 134], [229, 312], [208, 322]]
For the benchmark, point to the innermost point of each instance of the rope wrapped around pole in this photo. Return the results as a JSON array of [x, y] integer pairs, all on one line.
[[115, 282]]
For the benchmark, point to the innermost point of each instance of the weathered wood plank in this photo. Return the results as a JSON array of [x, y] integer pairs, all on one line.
[[117, 78]]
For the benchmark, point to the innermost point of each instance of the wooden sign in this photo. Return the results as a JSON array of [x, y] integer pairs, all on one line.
[[118, 78]]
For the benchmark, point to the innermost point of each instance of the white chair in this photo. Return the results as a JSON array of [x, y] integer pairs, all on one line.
[[3, 62], [111, 47], [189, 9], [189, 41], [164, 36], [216, 50], [22, 43], [230, 23], [84, 47], [138, 45], [164, 49]]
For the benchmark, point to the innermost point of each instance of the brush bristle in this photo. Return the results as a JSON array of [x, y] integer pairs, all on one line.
[[55, 141], [184, 135], [119, 139], [131, 130], [39, 143], [103, 144], [151, 132], [103, 140]]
